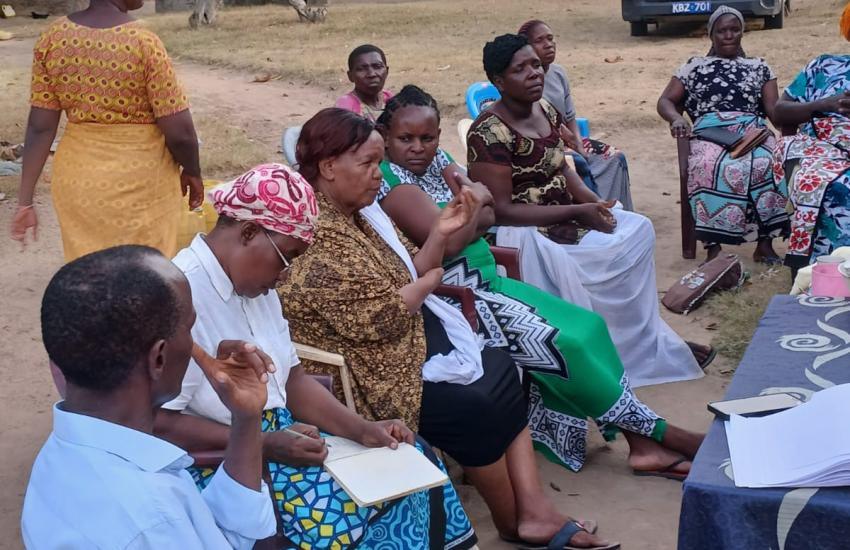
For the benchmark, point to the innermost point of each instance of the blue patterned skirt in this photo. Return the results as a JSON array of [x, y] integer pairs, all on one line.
[[315, 512]]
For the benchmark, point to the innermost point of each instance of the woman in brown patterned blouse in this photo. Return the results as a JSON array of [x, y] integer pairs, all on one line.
[[360, 292], [598, 256]]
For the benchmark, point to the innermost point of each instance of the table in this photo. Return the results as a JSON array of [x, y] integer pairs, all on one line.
[[802, 345]]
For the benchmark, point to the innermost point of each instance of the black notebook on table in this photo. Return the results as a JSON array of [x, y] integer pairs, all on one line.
[[720, 136]]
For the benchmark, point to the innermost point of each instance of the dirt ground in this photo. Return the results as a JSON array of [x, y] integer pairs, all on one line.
[[642, 512]]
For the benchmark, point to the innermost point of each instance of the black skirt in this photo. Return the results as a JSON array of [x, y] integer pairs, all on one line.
[[473, 423]]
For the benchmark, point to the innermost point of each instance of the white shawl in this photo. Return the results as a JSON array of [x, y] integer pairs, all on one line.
[[463, 364]]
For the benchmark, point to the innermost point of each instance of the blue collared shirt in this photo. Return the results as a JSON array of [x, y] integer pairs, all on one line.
[[96, 484]]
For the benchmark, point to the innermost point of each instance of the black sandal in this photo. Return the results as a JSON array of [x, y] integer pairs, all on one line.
[[712, 354], [561, 540]]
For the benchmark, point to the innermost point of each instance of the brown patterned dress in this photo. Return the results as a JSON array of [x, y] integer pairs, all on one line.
[[351, 273], [343, 296], [537, 165]]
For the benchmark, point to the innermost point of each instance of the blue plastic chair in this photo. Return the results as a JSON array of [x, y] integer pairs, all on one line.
[[480, 94]]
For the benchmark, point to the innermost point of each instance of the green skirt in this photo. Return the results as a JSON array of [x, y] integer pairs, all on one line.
[[572, 368]]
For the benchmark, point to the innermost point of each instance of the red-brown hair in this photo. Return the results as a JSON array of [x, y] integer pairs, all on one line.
[[330, 133]]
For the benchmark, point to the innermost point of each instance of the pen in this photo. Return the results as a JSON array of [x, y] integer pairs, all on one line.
[[297, 434]]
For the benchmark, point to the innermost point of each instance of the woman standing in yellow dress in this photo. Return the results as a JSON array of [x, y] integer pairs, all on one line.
[[117, 172]]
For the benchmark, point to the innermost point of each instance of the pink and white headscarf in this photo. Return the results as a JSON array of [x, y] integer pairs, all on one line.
[[272, 196]]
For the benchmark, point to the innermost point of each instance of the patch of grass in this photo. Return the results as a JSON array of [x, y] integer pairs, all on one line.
[[226, 150], [438, 45], [737, 313]]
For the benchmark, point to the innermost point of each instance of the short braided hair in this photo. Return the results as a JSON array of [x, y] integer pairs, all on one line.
[[409, 96], [102, 312], [499, 52]]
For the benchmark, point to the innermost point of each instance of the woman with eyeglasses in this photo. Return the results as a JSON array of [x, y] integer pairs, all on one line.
[[267, 217]]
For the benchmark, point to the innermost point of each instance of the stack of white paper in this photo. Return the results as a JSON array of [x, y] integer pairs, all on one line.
[[807, 446]]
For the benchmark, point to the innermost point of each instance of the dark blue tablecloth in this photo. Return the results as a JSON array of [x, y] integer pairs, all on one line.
[[801, 345]]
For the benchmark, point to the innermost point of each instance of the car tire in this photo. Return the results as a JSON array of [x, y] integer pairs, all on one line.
[[639, 28], [776, 21]]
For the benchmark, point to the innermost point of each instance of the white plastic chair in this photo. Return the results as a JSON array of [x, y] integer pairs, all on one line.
[[288, 143]]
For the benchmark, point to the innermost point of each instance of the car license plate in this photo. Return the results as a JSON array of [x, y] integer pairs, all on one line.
[[681, 8]]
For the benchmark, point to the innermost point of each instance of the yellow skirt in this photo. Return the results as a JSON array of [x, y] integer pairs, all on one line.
[[115, 184]]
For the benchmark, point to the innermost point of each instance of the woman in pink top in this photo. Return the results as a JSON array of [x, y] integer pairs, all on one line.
[[367, 70]]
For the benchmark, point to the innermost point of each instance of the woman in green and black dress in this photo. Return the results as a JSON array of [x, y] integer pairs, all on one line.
[[572, 367]]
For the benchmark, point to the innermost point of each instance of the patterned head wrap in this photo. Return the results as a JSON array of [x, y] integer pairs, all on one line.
[[845, 22], [720, 12], [274, 197]]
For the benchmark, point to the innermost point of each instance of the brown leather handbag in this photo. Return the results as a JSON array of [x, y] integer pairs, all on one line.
[[724, 272]]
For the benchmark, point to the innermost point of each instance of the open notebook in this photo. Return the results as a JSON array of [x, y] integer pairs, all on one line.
[[374, 475]]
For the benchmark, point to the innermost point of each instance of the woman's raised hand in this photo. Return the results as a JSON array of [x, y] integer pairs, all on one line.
[[24, 219], [680, 128], [459, 212]]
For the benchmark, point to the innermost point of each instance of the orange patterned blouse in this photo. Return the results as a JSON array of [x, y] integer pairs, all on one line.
[[118, 75]]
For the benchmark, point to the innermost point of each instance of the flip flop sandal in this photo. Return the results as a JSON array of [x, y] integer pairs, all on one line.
[[666, 473], [561, 540], [588, 525]]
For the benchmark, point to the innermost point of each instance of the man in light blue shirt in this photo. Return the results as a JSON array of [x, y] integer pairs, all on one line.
[[117, 324]]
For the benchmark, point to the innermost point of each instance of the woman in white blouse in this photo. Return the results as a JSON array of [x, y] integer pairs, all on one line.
[[266, 219]]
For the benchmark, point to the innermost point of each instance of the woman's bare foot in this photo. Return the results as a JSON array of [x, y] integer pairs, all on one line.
[[765, 254], [650, 455], [682, 441], [713, 252]]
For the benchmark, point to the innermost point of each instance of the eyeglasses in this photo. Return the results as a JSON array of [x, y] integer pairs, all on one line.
[[286, 263]]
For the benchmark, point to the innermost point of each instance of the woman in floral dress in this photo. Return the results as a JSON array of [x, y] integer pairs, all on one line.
[[733, 200], [816, 161]]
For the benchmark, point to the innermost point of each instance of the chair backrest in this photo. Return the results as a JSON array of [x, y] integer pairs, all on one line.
[[478, 96], [463, 126], [288, 143]]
